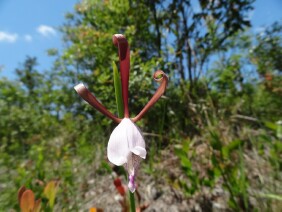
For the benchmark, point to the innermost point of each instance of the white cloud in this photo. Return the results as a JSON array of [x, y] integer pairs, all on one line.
[[260, 30], [28, 38], [8, 37], [46, 30]]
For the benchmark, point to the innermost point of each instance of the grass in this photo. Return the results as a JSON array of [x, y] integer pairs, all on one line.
[[234, 166]]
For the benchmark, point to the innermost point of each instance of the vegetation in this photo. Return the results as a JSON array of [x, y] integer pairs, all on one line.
[[214, 128]]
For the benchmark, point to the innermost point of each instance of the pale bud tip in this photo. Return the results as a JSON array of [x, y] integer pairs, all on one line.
[[131, 183], [131, 187], [79, 87]]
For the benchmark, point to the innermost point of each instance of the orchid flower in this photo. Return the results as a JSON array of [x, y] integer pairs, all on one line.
[[126, 145]]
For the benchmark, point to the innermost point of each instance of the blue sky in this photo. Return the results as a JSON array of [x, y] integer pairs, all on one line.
[[30, 27]]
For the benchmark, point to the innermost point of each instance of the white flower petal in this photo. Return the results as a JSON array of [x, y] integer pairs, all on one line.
[[127, 147], [135, 139], [140, 151], [125, 138], [117, 149]]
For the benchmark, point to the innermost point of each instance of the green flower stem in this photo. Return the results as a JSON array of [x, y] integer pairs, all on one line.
[[132, 202]]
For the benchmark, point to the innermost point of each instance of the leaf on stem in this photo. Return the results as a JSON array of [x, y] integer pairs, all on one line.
[[118, 92]]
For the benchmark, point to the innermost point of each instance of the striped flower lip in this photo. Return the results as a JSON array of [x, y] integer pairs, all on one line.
[[126, 144]]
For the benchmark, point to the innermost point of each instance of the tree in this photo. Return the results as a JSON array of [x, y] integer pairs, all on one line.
[[197, 30], [89, 55], [177, 36], [266, 56], [29, 76], [267, 50]]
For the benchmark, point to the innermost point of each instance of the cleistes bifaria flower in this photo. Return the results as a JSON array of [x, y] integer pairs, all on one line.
[[126, 144]]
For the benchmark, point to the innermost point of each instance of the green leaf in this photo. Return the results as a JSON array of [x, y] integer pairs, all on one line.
[[215, 141], [270, 125], [50, 191], [118, 93], [234, 145], [271, 196]]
